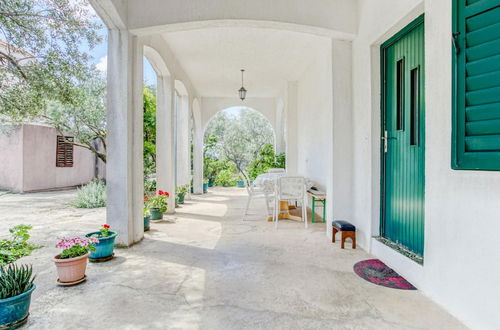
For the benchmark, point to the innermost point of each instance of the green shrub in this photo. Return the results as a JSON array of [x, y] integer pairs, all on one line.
[[226, 178], [15, 280], [17, 246], [91, 195], [149, 186]]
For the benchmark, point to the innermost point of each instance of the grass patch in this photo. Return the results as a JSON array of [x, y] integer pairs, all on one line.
[[17, 246], [91, 195]]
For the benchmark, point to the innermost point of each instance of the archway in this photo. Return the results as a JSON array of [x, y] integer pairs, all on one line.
[[236, 142]]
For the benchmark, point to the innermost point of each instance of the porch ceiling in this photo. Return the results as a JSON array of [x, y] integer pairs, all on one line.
[[213, 57]]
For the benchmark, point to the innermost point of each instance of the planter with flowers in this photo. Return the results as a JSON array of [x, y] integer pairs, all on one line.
[[158, 205], [181, 192], [71, 263], [104, 248], [16, 287]]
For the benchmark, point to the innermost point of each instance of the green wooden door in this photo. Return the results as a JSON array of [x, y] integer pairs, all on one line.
[[403, 140]]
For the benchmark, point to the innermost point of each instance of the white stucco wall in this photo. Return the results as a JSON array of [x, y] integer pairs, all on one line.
[[29, 161], [314, 120], [461, 207]]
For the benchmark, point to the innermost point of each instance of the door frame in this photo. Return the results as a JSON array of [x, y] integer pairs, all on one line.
[[383, 111]]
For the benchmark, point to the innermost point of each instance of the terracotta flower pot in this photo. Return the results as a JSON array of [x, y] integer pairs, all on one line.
[[72, 269]]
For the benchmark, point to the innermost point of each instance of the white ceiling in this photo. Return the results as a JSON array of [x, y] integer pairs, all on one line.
[[213, 57]]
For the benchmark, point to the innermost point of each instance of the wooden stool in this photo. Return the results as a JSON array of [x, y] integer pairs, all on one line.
[[347, 229]]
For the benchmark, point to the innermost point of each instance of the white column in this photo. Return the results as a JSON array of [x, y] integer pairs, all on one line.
[[183, 165], [165, 160], [124, 174], [339, 191], [291, 128], [197, 150], [280, 132], [198, 160]]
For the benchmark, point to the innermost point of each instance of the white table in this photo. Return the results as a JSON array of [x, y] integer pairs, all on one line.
[[268, 181]]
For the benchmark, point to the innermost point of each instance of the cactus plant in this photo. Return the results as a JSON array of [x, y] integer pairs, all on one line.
[[15, 280]]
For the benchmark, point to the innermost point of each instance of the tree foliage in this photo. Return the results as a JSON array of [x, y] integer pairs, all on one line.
[[149, 131], [265, 160], [43, 58], [85, 119]]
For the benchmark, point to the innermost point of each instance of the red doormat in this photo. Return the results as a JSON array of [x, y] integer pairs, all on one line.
[[375, 271]]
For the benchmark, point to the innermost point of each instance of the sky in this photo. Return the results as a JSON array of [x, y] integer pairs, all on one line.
[[100, 55]]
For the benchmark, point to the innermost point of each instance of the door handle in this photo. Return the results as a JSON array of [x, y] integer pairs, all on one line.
[[386, 138]]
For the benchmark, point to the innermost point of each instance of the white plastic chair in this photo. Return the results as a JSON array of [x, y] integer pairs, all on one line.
[[276, 170], [266, 189], [290, 189]]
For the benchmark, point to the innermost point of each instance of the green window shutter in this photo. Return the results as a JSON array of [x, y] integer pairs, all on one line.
[[476, 97]]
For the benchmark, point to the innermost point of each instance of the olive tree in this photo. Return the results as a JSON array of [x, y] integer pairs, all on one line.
[[43, 58], [239, 137]]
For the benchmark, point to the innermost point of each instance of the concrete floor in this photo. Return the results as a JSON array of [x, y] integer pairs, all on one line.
[[204, 268]]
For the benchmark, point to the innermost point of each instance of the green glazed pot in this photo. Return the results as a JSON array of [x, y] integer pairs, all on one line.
[[147, 219], [156, 214]]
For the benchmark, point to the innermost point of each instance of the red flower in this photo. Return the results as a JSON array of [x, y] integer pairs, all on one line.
[[160, 192], [145, 199], [106, 226]]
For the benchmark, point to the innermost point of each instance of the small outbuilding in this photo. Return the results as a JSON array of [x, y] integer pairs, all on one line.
[[35, 157]]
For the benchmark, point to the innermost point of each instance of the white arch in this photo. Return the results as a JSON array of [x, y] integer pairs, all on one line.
[[156, 61], [180, 88], [212, 105], [246, 107], [334, 18]]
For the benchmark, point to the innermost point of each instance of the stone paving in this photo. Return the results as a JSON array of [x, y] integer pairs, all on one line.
[[205, 268]]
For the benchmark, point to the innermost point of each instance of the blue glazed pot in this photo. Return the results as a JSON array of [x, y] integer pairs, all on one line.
[[105, 246], [240, 184], [14, 310], [147, 219], [156, 214], [205, 188]]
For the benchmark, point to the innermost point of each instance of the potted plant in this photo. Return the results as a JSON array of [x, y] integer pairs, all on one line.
[[205, 186], [104, 248], [211, 181], [71, 263], [181, 191], [240, 183], [158, 205], [16, 287], [147, 216]]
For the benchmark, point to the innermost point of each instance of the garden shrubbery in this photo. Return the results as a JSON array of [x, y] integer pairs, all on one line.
[[17, 246], [91, 195], [226, 178]]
